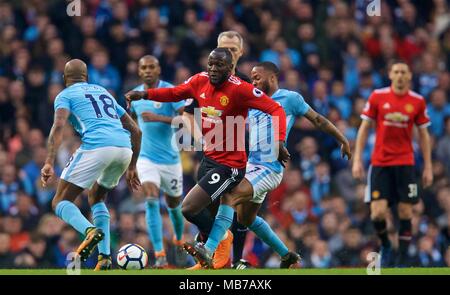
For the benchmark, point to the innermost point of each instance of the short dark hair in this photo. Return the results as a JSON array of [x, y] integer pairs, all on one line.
[[396, 61], [227, 53], [269, 66]]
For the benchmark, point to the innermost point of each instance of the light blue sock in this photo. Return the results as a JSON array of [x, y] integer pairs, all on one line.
[[262, 229], [154, 224], [100, 216], [222, 223], [71, 214], [177, 221]]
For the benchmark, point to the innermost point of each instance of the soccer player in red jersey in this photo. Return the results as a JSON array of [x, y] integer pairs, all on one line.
[[391, 179], [221, 97]]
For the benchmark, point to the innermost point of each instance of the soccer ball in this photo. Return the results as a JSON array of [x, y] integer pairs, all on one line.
[[132, 256]]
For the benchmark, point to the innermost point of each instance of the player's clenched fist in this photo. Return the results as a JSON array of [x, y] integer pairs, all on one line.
[[133, 179], [47, 172], [345, 150], [135, 95], [358, 170]]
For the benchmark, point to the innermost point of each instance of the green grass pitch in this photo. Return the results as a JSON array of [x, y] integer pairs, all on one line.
[[334, 271]]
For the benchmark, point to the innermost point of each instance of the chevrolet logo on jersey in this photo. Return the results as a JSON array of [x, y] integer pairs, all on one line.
[[211, 112], [396, 117]]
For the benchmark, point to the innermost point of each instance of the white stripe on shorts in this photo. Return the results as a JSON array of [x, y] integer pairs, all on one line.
[[225, 184]]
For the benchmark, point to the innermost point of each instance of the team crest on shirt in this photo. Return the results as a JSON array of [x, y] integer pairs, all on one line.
[[157, 104], [409, 108], [224, 100], [375, 194]]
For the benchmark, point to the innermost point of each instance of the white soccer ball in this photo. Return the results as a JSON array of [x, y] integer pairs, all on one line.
[[132, 256]]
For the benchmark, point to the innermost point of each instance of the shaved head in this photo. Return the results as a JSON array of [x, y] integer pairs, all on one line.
[[75, 71], [148, 58], [220, 65]]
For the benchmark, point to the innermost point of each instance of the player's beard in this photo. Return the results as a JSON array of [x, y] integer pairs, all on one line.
[[265, 87]]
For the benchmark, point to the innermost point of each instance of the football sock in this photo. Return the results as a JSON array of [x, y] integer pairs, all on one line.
[[239, 234], [71, 214], [222, 223], [262, 229], [101, 217], [177, 221], [404, 238], [381, 230], [203, 220], [154, 223]]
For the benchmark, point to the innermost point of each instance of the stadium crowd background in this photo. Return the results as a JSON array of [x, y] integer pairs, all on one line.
[[332, 52]]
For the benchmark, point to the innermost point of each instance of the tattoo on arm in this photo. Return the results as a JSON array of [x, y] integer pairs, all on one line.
[[323, 124], [56, 134], [136, 136]]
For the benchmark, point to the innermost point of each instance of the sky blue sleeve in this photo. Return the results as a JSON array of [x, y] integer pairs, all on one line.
[[62, 102], [120, 111], [300, 105], [178, 105]]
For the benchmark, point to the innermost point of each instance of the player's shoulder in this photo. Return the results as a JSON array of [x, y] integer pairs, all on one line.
[[63, 93], [236, 81], [201, 76], [139, 88], [288, 94], [164, 84], [382, 91], [415, 95]]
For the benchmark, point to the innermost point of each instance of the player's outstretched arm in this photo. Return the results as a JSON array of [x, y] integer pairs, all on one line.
[[173, 94], [361, 139], [136, 135], [53, 143], [153, 117], [323, 124], [424, 142]]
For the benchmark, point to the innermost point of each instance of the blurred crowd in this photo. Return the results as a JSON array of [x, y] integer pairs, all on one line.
[[331, 52]]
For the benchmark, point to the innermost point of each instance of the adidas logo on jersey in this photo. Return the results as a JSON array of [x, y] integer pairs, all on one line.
[[387, 106], [202, 95]]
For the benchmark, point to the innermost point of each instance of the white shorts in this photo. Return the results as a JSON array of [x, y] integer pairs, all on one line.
[[263, 181], [105, 165], [169, 178]]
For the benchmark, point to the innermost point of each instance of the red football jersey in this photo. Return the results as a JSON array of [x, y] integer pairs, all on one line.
[[220, 107], [395, 116]]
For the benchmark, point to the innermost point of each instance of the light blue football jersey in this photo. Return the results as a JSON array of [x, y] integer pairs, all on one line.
[[157, 145], [95, 115], [262, 144]]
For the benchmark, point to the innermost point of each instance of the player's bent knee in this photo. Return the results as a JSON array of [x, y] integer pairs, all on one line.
[[378, 214], [405, 211], [226, 199], [55, 202], [187, 211], [173, 202]]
